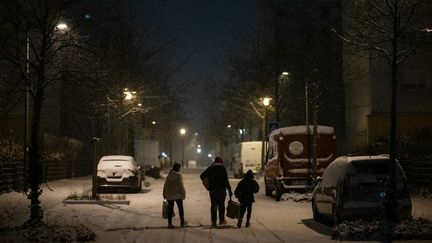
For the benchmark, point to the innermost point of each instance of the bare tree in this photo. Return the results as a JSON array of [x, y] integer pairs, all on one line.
[[391, 30], [34, 24]]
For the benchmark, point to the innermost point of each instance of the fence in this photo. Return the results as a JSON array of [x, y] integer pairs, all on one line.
[[11, 174]]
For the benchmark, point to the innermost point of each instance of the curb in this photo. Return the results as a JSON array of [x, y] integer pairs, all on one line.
[[73, 201]]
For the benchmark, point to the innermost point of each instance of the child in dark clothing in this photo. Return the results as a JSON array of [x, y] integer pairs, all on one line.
[[245, 193]]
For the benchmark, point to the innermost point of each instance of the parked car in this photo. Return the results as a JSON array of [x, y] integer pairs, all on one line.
[[354, 187], [119, 171]]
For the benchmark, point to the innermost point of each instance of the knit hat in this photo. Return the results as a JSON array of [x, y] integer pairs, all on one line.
[[249, 174], [218, 160]]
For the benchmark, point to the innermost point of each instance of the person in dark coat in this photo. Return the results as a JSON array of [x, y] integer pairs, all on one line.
[[174, 191], [245, 194], [217, 185]]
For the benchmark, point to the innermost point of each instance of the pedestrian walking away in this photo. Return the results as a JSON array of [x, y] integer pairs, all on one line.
[[218, 184], [174, 191], [244, 192]]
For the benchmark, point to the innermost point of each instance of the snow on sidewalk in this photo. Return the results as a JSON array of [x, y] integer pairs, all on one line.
[[141, 221]]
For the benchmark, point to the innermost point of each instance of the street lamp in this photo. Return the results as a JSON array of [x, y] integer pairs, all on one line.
[[62, 27], [129, 95], [182, 133], [265, 103]]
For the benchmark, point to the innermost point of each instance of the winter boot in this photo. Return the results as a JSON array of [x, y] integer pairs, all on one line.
[[184, 224], [239, 223]]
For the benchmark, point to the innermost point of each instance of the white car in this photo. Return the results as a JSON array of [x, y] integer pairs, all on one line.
[[119, 171]]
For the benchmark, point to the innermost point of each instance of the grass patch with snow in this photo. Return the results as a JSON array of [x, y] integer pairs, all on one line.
[[383, 230], [47, 233]]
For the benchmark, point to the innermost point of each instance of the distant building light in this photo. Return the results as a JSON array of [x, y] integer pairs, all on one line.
[[196, 134], [87, 16], [427, 30], [285, 73], [199, 150], [164, 154], [209, 155], [229, 126], [199, 145], [154, 122]]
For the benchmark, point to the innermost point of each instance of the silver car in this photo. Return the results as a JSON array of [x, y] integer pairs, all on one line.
[[354, 187], [119, 171]]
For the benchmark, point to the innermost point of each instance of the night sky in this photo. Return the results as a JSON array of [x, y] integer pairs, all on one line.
[[209, 31]]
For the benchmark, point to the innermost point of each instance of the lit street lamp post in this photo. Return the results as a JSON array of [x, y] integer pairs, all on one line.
[[129, 97], [61, 27], [182, 133], [265, 103]]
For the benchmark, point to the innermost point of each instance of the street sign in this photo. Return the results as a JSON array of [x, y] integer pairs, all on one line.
[[273, 126]]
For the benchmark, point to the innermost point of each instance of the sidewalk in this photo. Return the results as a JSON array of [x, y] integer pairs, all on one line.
[[421, 207]]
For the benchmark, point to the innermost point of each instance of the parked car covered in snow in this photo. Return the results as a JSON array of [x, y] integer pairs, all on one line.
[[354, 187], [119, 171]]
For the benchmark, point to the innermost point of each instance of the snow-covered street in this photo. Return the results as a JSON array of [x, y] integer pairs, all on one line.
[[141, 220]]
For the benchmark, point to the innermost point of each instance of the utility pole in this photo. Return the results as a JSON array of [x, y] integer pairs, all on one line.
[[94, 171]]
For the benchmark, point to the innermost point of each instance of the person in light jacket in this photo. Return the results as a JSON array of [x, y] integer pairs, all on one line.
[[245, 193], [174, 191]]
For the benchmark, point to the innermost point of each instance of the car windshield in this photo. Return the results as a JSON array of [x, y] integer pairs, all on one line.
[[371, 166]]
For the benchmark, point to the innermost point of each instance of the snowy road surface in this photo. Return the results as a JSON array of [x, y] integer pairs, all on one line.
[[141, 221]]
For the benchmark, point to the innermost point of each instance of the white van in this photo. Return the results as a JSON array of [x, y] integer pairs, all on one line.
[[247, 156]]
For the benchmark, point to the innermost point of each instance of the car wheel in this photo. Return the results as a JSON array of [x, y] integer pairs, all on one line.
[[316, 215], [335, 215], [278, 191]]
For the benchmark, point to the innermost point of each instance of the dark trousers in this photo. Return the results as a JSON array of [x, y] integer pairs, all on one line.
[[171, 210], [217, 199], [243, 207]]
